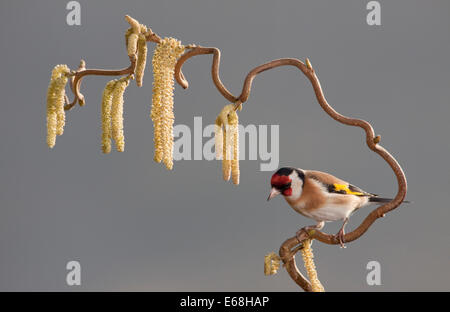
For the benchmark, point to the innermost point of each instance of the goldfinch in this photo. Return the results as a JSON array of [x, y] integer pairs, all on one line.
[[320, 196]]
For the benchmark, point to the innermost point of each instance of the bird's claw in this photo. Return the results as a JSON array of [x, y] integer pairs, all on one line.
[[340, 236]]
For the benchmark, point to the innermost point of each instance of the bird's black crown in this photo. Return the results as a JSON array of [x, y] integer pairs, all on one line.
[[286, 171]]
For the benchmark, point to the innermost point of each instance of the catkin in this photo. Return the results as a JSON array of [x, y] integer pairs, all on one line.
[[164, 59], [55, 103], [106, 116], [132, 43], [117, 113], [226, 160], [308, 259], [222, 121], [271, 264], [141, 59], [60, 114], [136, 43], [132, 35], [127, 35], [234, 127], [227, 142], [133, 23]]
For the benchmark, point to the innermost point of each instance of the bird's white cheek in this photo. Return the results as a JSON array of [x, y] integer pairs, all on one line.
[[296, 192]]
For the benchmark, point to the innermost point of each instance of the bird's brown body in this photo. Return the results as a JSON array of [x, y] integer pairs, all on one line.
[[316, 202], [320, 195]]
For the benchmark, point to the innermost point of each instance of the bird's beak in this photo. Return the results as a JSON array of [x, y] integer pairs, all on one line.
[[273, 192]]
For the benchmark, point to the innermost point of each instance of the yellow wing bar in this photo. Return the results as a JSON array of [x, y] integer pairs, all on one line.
[[346, 189]]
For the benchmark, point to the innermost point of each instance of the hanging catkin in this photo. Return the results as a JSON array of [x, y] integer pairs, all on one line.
[[227, 142], [308, 259], [106, 116], [136, 43], [226, 153], [127, 35], [117, 113], [141, 59], [132, 43], [271, 264], [233, 120], [164, 60], [224, 138], [132, 35], [55, 103]]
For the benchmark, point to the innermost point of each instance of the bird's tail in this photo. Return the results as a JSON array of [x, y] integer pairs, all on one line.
[[376, 199]]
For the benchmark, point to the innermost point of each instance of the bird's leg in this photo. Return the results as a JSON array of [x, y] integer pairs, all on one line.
[[340, 235], [303, 233]]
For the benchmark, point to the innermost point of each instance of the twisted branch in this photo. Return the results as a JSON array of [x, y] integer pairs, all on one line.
[[214, 70], [287, 254], [81, 72], [287, 250]]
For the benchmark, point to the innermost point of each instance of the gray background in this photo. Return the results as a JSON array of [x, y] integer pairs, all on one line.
[[135, 226]]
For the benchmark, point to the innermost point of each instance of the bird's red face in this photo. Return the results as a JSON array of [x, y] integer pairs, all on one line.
[[281, 184]]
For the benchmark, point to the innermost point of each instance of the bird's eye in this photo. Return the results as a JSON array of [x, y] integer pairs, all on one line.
[[287, 190]]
